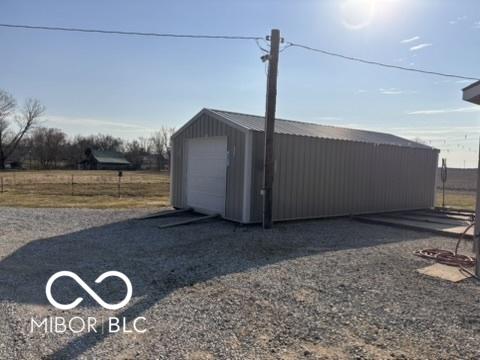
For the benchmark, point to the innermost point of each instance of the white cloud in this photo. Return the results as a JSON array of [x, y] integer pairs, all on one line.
[[328, 118], [476, 25], [445, 111], [439, 132], [395, 91], [409, 40], [355, 126], [459, 144], [458, 19], [94, 122], [86, 126], [391, 91], [420, 46], [444, 81], [360, 91]]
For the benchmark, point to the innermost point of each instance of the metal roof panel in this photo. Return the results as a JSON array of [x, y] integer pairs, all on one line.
[[110, 157], [290, 127]]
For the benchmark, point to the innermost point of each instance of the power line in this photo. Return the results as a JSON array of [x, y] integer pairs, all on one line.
[[453, 140], [261, 47], [135, 33], [371, 62], [236, 37]]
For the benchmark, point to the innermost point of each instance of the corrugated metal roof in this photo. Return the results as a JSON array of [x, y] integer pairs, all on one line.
[[110, 157], [476, 83], [256, 123]]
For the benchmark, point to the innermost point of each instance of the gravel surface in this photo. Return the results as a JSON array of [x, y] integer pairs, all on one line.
[[330, 289]]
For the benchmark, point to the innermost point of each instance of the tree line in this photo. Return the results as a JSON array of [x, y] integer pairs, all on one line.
[[23, 140]]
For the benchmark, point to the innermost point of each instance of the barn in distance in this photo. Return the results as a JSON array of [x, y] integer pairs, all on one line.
[[320, 171], [104, 160]]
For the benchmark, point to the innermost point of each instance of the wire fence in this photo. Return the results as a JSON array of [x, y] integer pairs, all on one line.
[[82, 183], [460, 189]]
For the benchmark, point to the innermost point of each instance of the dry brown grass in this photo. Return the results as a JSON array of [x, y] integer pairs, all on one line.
[[460, 188], [91, 189], [99, 189], [457, 199]]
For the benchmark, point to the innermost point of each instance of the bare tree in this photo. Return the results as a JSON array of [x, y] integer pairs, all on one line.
[[420, 140], [105, 142], [7, 107], [47, 145], [136, 150], [160, 141], [28, 118]]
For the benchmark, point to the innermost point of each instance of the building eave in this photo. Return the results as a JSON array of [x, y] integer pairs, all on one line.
[[472, 93]]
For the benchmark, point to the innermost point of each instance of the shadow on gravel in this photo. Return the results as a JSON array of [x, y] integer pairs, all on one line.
[[160, 261]]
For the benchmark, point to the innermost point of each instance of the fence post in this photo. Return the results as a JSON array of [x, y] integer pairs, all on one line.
[[443, 175], [120, 174], [72, 184], [1, 182]]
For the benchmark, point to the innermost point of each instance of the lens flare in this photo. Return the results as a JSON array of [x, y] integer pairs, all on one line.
[[357, 14]]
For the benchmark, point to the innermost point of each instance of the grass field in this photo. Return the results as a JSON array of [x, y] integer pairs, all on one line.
[[460, 188], [90, 189], [457, 199], [99, 189]]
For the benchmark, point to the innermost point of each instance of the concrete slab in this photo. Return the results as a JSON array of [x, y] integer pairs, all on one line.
[[437, 222], [445, 272]]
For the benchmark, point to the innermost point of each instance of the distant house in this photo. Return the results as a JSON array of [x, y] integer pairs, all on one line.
[[104, 160], [13, 164], [154, 162]]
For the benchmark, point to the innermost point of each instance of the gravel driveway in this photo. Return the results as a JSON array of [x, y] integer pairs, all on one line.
[[330, 289]]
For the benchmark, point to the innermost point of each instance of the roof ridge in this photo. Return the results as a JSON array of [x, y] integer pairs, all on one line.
[[375, 136], [302, 122]]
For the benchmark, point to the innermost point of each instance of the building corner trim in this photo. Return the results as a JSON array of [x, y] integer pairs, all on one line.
[[247, 178]]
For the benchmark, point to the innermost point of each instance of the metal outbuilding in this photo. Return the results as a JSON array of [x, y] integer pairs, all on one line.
[[320, 171], [471, 93]]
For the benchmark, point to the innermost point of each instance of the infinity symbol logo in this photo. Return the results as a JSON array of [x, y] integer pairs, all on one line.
[[93, 294]]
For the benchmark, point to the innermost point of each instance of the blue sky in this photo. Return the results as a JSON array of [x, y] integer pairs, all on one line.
[[131, 86]]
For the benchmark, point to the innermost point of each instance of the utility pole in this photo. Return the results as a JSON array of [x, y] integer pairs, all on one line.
[[443, 176], [476, 228], [268, 166]]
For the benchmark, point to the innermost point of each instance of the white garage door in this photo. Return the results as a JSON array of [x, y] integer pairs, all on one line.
[[207, 174]]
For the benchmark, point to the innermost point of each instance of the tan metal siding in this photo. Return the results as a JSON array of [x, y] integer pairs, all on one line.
[[322, 177], [205, 126]]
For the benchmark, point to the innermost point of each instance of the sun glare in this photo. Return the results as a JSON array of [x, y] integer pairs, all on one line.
[[358, 14]]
